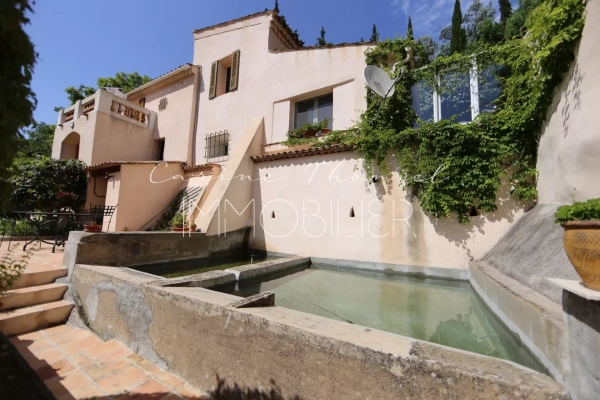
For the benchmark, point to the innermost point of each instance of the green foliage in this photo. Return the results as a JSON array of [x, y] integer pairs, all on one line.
[[480, 25], [409, 30], [122, 80], [515, 24], [37, 141], [49, 184], [580, 211], [468, 161], [178, 221], [301, 132], [17, 100], [10, 269], [374, 34], [458, 38]]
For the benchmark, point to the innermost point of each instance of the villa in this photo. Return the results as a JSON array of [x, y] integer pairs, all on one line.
[[210, 137]]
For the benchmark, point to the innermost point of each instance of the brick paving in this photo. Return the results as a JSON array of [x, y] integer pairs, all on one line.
[[76, 364]]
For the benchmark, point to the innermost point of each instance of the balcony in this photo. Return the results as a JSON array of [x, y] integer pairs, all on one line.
[[108, 103]]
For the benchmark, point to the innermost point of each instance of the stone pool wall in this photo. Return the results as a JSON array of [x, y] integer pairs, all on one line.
[[200, 335]]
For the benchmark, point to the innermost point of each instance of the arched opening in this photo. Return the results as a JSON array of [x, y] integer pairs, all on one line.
[[70, 147]]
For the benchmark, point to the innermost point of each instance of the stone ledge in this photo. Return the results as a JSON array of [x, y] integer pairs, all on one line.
[[576, 287], [267, 267], [263, 299]]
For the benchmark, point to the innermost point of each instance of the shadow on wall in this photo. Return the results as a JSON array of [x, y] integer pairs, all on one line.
[[225, 391]]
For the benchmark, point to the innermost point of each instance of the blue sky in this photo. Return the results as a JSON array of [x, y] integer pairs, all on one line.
[[79, 41]]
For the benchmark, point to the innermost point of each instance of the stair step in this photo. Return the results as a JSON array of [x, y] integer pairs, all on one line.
[[23, 320], [32, 295], [40, 276]]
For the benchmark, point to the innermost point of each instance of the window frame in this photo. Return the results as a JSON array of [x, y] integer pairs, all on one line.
[[210, 149], [315, 108]]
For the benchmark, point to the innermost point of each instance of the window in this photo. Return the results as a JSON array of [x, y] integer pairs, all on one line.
[[314, 110], [160, 152], [224, 75], [217, 144], [464, 95]]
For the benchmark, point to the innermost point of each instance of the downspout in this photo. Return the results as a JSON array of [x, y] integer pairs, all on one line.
[[191, 156]]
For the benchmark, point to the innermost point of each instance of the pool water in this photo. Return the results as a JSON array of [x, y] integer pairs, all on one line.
[[198, 266], [440, 311]]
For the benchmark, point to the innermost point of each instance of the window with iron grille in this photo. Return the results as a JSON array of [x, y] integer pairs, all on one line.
[[217, 144]]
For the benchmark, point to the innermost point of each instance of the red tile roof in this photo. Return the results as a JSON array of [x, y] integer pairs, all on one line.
[[108, 164], [330, 46], [334, 148]]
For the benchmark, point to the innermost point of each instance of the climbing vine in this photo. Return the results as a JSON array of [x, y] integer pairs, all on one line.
[[469, 160]]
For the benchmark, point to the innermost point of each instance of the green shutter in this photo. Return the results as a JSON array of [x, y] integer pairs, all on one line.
[[235, 69], [212, 92]]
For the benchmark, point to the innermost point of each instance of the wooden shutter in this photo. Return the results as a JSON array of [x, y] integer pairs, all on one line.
[[212, 92], [142, 102], [235, 70]]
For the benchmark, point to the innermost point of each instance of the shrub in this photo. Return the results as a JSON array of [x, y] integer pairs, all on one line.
[[49, 184], [178, 221], [580, 211]]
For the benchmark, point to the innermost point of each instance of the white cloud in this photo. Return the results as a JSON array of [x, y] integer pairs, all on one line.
[[428, 16]]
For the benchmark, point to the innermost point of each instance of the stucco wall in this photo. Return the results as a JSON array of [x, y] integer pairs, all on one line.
[[173, 123], [568, 161], [384, 229], [140, 201], [267, 78]]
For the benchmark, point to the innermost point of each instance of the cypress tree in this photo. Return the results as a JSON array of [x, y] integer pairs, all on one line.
[[276, 6], [458, 37], [321, 40], [409, 31], [374, 35], [505, 11]]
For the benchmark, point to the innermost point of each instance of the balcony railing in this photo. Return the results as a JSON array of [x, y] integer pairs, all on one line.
[[106, 102]]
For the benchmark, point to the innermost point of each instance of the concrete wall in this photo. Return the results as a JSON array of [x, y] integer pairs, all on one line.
[[568, 161], [270, 82], [198, 334], [311, 199], [137, 248]]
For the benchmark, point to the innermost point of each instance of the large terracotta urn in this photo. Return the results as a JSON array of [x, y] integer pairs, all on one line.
[[582, 245]]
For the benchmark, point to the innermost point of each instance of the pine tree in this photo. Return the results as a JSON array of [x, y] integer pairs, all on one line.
[[458, 38], [321, 40], [374, 35], [276, 6], [505, 10], [409, 31]]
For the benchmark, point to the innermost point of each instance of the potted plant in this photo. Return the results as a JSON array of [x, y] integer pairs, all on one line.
[[581, 239], [92, 227], [178, 224]]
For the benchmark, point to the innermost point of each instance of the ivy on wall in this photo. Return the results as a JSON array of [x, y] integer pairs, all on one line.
[[468, 160]]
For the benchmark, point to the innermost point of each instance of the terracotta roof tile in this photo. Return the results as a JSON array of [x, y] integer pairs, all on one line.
[[334, 148], [331, 46], [232, 21], [197, 168], [108, 164]]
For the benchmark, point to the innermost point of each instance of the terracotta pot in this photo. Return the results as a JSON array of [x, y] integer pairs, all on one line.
[[582, 245], [308, 134], [325, 131], [184, 229], [92, 228]]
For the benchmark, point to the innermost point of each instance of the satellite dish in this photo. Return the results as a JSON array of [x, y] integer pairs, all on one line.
[[379, 81]]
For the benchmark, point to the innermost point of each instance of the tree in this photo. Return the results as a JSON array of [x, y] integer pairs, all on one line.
[[409, 31], [49, 184], [37, 141], [515, 24], [321, 40], [276, 6], [478, 18], [430, 50], [505, 11], [374, 34], [17, 100], [445, 36], [122, 80], [458, 41]]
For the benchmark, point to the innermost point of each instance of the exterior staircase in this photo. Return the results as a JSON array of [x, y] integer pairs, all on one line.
[[34, 302]]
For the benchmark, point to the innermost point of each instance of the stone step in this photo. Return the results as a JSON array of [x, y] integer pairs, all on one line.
[[27, 319], [40, 276], [30, 296]]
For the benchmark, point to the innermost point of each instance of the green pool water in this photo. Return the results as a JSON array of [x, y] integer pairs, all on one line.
[[439, 311]]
